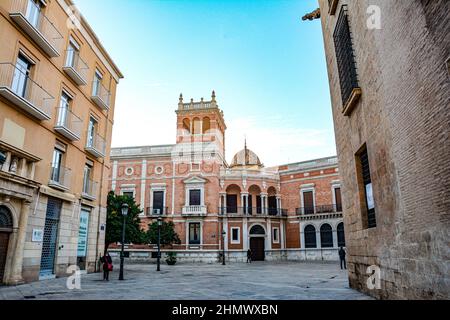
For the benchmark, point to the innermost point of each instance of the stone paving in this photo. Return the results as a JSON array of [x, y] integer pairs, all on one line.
[[256, 281]]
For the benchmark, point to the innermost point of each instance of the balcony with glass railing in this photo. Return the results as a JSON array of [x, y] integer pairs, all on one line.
[[68, 124], [100, 95], [24, 93], [90, 188], [76, 68], [60, 177], [28, 16], [96, 146]]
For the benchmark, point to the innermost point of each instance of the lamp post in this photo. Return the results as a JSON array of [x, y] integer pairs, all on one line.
[[223, 247], [124, 214], [158, 261]]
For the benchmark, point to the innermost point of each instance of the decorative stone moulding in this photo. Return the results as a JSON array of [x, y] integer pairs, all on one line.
[[352, 102]]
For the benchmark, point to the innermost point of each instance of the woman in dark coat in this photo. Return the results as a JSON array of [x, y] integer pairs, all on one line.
[[107, 265]]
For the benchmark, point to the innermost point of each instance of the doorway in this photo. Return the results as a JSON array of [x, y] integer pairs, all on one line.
[[6, 225], [257, 248]]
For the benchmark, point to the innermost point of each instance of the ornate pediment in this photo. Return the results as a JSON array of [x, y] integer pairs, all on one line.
[[195, 180]]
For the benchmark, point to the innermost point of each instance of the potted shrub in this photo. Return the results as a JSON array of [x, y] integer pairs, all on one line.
[[171, 258]]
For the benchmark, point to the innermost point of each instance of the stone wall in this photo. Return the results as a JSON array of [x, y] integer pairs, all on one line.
[[403, 117]]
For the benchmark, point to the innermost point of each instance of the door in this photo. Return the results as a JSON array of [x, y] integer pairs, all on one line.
[[50, 236], [91, 132], [308, 202], [83, 239], [56, 165], [337, 193], [63, 110], [4, 241], [257, 248], [33, 13], [232, 203], [272, 202]]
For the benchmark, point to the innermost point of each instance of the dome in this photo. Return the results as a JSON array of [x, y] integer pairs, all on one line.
[[246, 158]]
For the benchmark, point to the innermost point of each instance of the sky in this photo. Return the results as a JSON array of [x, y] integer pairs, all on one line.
[[266, 65]]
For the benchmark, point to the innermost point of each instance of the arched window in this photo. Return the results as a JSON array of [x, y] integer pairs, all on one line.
[[341, 235], [206, 125], [187, 125], [326, 236], [197, 126], [257, 230], [310, 237], [6, 221]]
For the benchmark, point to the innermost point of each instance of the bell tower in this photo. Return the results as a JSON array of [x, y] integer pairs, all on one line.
[[201, 128]]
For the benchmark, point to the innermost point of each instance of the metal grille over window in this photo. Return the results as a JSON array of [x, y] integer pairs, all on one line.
[[345, 56]]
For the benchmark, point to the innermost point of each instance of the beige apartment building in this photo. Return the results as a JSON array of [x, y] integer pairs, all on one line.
[[389, 72], [57, 93]]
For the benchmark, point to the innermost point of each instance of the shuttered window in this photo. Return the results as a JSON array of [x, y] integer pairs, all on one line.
[[367, 183], [194, 197]]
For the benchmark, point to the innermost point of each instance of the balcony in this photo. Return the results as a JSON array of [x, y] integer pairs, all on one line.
[[76, 68], [69, 125], [194, 210], [101, 96], [157, 211], [19, 89], [28, 16], [60, 177], [89, 190], [252, 211], [324, 209], [96, 146]]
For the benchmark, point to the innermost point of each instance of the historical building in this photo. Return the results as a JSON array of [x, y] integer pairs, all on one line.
[[389, 72], [291, 211], [57, 93]]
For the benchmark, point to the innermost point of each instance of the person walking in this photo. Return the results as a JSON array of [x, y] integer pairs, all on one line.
[[342, 258], [107, 265], [249, 256]]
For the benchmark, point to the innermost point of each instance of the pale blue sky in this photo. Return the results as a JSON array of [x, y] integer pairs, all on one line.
[[265, 64]]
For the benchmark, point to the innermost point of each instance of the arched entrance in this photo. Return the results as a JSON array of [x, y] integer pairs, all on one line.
[[6, 228], [257, 243]]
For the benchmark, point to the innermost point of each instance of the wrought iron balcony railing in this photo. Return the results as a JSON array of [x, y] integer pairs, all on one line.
[[68, 124], [331, 208], [157, 211], [90, 189], [96, 145], [252, 211], [101, 95], [60, 177], [24, 93], [28, 15], [76, 68]]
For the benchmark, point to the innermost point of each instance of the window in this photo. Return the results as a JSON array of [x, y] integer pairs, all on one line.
[[194, 233], [33, 12], [346, 62], [332, 6], [276, 235], [232, 203], [91, 132], [308, 202], [56, 175], [21, 76], [129, 194], [326, 236], [338, 199], [97, 82], [72, 53], [158, 202], [235, 235], [341, 235], [310, 237], [195, 197], [64, 107], [87, 178], [366, 183]]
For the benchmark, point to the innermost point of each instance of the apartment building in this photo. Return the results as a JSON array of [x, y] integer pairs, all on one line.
[[57, 93], [389, 71], [287, 212]]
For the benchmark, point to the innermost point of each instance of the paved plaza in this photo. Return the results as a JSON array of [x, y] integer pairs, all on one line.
[[256, 281]]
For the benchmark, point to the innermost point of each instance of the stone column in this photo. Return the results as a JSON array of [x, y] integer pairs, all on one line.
[[245, 234], [269, 234], [7, 163], [17, 263], [335, 239]]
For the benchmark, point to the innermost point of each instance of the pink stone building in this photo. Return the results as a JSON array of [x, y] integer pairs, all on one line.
[[291, 211]]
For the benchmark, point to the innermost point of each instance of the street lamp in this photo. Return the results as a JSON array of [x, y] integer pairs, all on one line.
[[223, 247], [158, 263], [124, 214]]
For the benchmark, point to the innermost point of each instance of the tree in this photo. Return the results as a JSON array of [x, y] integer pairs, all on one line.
[[114, 221], [168, 234]]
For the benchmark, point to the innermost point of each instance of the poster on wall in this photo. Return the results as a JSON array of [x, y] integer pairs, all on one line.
[[369, 197], [83, 234]]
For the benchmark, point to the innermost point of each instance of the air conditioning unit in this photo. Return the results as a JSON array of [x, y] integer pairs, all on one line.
[[156, 211]]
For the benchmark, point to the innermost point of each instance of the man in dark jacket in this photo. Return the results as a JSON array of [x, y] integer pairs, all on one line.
[[342, 258], [249, 256]]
